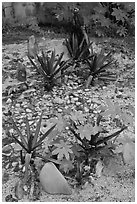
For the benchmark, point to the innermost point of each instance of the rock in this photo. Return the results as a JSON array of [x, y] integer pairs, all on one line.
[[68, 101], [21, 73], [73, 100], [78, 103], [53, 181], [32, 47], [14, 164], [89, 100], [59, 110], [18, 105], [19, 190], [58, 100], [31, 122], [46, 96], [28, 110], [86, 109], [7, 150], [23, 124], [129, 153], [8, 101]]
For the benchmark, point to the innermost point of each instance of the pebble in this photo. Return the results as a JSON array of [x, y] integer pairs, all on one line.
[[86, 109], [67, 128], [58, 100], [78, 103], [14, 164], [74, 99], [6, 152], [48, 104], [23, 124], [7, 166], [91, 106], [24, 103], [28, 110], [37, 109], [20, 166], [8, 101], [46, 96], [67, 97], [31, 122], [18, 105], [68, 102], [89, 100], [45, 117], [6, 148], [20, 120], [59, 110], [79, 91], [16, 146], [87, 90]]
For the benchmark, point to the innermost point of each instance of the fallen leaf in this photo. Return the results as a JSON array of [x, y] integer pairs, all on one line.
[[129, 153], [99, 168]]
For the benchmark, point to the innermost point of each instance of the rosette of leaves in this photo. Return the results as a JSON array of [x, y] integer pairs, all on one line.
[[92, 142], [50, 68], [30, 142], [88, 136], [99, 66], [78, 51]]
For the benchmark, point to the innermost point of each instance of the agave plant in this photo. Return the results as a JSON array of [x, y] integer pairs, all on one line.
[[94, 142], [29, 143], [98, 67], [90, 143], [78, 51], [51, 68]]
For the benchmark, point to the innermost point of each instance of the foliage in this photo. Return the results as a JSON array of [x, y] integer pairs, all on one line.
[[98, 66], [63, 149], [30, 143], [77, 51], [88, 145], [102, 19], [90, 138], [114, 17], [114, 109], [50, 68]]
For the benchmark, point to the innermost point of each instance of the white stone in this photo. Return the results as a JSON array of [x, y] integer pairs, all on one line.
[[53, 181], [78, 103], [8, 101], [28, 110], [86, 109], [59, 110], [18, 105]]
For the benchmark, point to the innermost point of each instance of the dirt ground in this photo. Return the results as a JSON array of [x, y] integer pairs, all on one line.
[[117, 182]]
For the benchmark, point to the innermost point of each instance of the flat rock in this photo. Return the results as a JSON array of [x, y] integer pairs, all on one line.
[[53, 181], [59, 110]]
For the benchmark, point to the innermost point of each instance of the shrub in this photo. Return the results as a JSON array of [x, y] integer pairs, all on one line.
[[29, 143], [76, 51], [98, 67], [50, 68]]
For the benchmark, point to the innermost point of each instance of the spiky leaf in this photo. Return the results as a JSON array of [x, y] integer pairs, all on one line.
[[37, 132], [58, 61], [27, 128], [43, 137], [19, 142], [24, 143]]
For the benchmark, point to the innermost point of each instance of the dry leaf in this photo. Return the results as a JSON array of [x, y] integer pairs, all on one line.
[[99, 168]]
